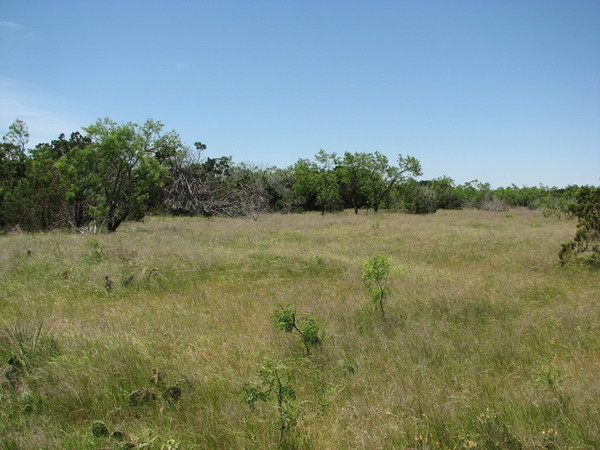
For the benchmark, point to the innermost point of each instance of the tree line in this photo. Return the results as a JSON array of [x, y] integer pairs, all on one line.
[[115, 172]]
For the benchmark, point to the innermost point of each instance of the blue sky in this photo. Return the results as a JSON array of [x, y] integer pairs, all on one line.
[[500, 91]]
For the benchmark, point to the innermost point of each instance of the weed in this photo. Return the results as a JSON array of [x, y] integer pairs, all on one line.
[[549, 377]]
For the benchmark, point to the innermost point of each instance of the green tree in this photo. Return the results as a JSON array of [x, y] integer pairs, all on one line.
[[315, 183], [13, 167], [128, 163], [17, 136], [418, 197], [328, 190], [305, 174], [354, 173], [59, 190], [384, 177]]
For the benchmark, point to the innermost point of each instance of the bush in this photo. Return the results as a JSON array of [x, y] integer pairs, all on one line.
[[586, 242], [420, 199], [307, 327], [494, 204], [374, 277]]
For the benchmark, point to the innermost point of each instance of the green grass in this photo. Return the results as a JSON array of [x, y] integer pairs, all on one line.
[[487, 341]]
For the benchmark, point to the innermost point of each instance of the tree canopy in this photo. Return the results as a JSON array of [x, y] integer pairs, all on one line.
[[118, 171]]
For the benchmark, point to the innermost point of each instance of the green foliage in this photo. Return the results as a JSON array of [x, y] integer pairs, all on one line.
[[128, 162], [587, 238], [13, 166], [310, 334], [374, 277], [419, 198], [285, 319], [275, 385], [116, 172], [354, 173], [559, 202], [384, 177], [309, 330], [328, 197], [358, 180]]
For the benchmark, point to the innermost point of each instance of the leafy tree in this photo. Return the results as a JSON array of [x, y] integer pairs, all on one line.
[[445, 193], [13, 167], [128, 162], [17, 136], [560, 202], [354, 172], [60, 186], [384, 177], [587, 237], [328, 190], [306, 175]]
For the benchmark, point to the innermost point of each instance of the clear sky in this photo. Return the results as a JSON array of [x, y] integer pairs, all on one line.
[[503, 91]]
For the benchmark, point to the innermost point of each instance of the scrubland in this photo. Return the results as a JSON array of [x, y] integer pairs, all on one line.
[[487, 342]]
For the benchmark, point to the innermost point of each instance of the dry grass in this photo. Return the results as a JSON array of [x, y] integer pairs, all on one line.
[[488, 342]]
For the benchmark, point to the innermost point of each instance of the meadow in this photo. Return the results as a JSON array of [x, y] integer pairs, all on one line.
[[487, 341]]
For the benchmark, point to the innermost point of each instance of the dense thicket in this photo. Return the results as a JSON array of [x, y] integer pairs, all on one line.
[[114, 172], [586, 242]]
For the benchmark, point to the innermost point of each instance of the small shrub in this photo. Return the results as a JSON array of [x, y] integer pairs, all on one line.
[[374, 277], [275, 385], [307, 328]]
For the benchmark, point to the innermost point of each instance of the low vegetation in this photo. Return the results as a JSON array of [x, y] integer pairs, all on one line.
[[162, 334]]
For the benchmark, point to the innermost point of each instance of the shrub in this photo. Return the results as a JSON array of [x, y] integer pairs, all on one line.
[[308, 328], [586, 242], [420, 199], [374, 278], [494, 204], [275, 385]]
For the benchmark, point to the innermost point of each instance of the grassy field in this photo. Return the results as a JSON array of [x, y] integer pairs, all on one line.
[[487, 341]]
